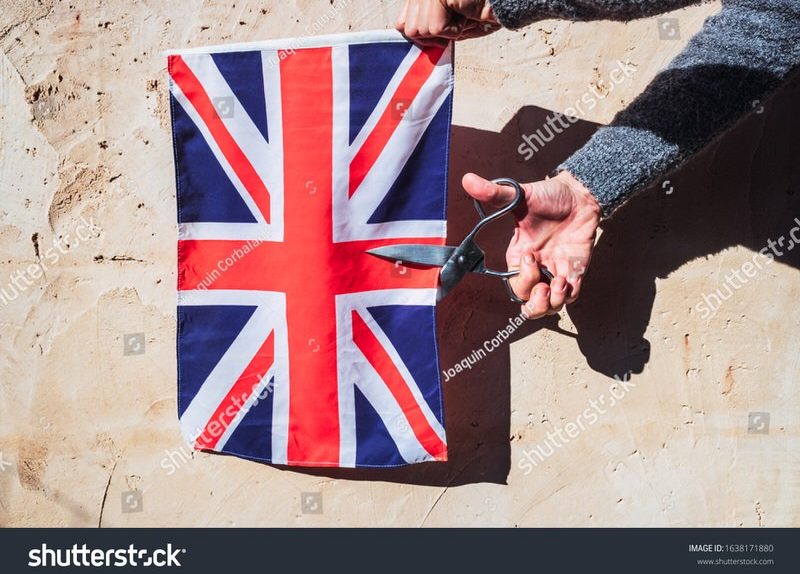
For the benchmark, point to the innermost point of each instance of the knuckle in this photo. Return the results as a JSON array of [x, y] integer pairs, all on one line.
[[490, 191]]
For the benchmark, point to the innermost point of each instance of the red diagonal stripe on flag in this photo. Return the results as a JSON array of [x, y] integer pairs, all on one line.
[[240, 392], [380, 360], [191, 87], [407, 90]]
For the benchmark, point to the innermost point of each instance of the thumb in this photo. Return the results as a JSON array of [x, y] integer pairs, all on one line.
[[487, 192]]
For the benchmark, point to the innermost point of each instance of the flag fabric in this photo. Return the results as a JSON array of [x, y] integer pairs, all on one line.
[[292, 159]]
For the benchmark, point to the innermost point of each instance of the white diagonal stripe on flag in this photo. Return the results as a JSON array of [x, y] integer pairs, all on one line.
[[354, 368], [239, 123], [353, 213], [385, 99], [265, 319]]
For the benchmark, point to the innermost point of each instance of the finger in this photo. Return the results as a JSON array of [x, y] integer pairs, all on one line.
[[412, 19], [575, 272], [529, 275], [437, 18], [559, 288], [574, 290], [454, 26], [451, 32], [487, 192], [539, 303], [400, 24], [423, 18]]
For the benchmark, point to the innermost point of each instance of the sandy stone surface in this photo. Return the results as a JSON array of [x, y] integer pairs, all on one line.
[[704, 427]]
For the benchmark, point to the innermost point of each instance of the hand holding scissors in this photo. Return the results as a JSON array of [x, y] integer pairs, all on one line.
[[550, 249], [456, 262]]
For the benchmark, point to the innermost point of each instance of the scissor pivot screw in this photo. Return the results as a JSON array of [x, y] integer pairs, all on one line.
[[461, 260]]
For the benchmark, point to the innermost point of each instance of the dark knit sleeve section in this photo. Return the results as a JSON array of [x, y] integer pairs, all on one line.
[[518, 13], [740, 55]]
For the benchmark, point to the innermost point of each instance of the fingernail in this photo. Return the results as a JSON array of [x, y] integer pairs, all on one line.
[[527, 259]]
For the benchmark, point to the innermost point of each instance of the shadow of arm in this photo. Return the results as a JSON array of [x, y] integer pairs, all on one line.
[[741, 55]]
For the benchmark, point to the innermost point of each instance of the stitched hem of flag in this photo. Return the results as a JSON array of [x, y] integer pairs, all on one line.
[[287, 44], [295, 464]]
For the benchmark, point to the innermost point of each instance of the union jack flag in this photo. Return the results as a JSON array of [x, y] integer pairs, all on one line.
[[292, 159]]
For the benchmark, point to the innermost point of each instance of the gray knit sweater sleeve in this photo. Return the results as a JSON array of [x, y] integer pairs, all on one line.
[[741, 54], [518, 13]]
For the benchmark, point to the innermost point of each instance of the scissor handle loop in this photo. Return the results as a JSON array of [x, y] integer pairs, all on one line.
[[518, 195]]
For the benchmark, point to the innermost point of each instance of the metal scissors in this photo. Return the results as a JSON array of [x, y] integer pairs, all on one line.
[[456, 262]]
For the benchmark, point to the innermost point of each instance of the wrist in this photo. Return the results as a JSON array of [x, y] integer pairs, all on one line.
[[582, 193]]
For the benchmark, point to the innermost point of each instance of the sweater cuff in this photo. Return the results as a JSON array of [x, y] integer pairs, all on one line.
[[515, 14], [618, 161]]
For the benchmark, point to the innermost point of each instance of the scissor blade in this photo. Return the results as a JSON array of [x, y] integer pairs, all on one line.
[[465, 259], [433, 255]]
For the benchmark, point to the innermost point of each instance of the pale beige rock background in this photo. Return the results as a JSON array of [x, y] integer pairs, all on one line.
[[85, 134]]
